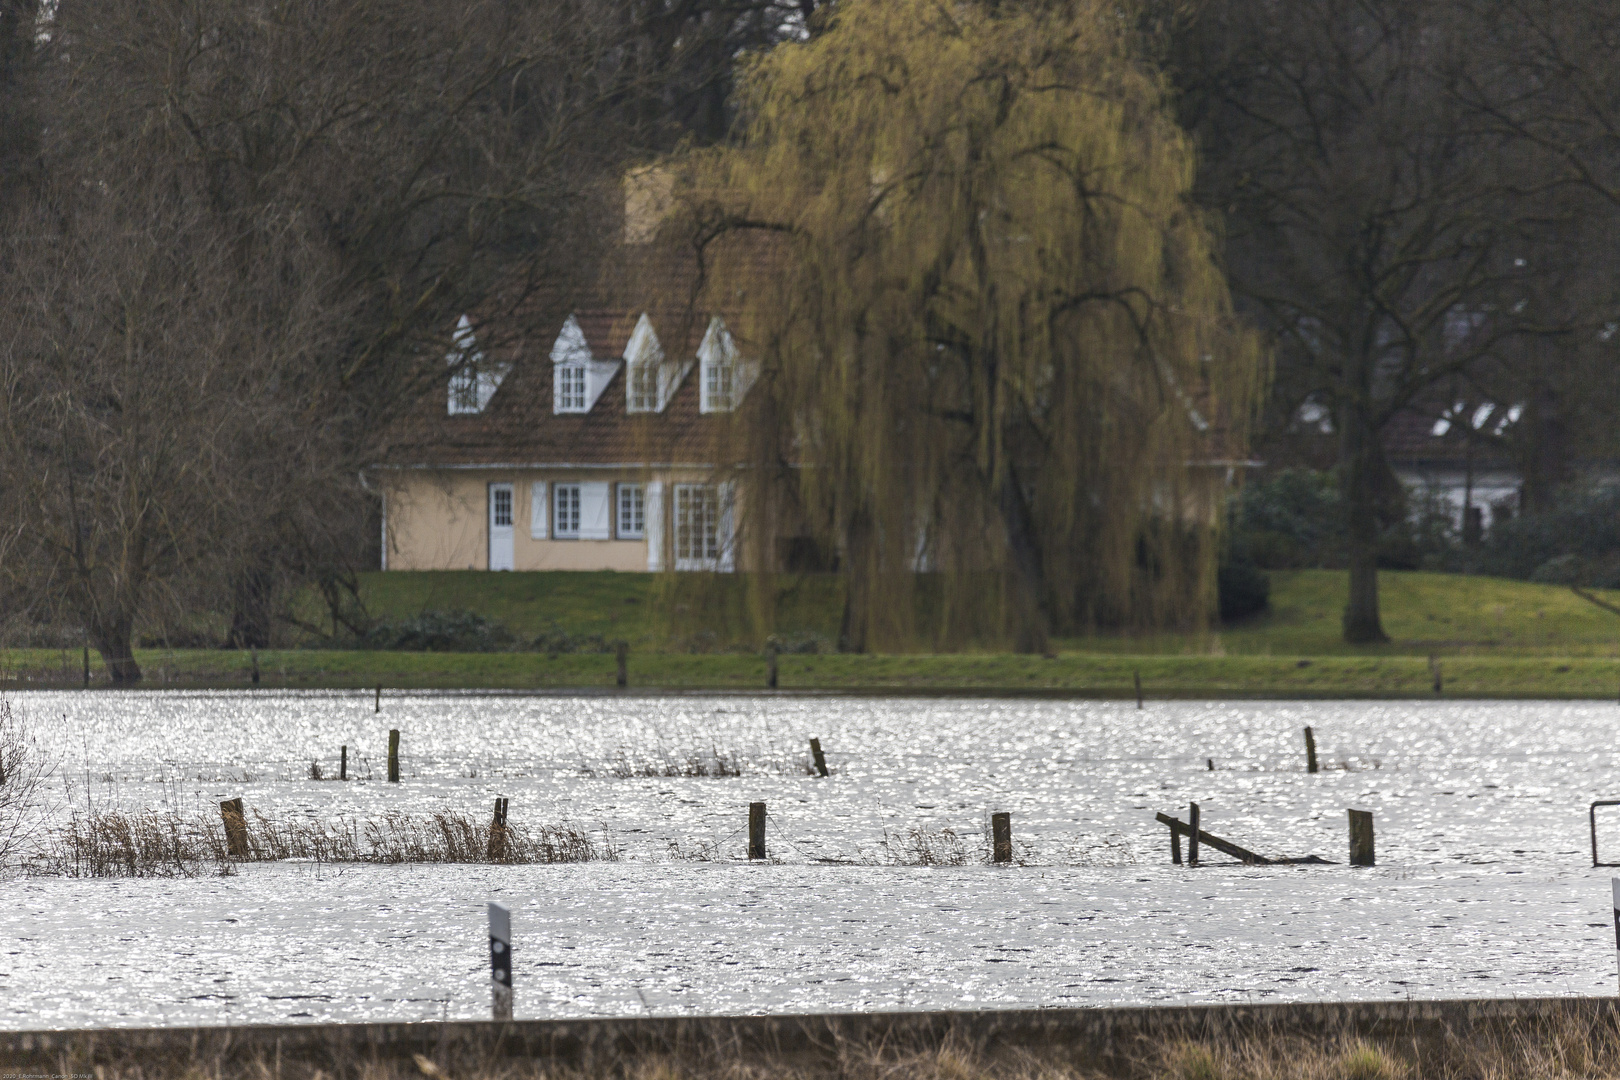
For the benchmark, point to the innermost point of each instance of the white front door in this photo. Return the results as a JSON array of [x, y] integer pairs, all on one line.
[[500, 526]]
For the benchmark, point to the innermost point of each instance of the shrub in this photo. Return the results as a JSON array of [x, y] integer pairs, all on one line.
[[1245, 590], [441, 631], [24, 770]]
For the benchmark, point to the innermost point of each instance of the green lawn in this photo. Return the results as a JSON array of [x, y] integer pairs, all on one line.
[[1492, 638]]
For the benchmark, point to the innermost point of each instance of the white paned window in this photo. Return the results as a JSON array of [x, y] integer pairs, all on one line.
[[464, 390], [571, 388], [644, 387], [500, 511], [697, 527], [565, 515], [632, 512], [719, 384]]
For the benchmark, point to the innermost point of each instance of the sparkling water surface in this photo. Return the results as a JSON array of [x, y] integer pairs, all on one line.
[[1484, 884]]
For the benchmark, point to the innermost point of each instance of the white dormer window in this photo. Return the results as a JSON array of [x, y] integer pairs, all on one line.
[[578, 378], [644, 387], [571, 388], [474, 378], [652, 378], [725, 376]]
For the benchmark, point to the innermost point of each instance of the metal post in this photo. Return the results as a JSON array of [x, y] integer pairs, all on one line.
[[500, 960]]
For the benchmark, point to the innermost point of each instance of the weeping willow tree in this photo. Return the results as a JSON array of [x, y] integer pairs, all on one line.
[[993, 348]]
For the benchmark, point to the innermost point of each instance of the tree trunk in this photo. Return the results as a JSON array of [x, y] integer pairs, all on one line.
[[1359, 461], [852, 628], [114, 640], [251, 598], [1025, 574]]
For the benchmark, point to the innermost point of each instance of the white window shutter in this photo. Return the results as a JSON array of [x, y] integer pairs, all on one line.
[[655, 526], [537, 510], [727, 532], [595, 511]]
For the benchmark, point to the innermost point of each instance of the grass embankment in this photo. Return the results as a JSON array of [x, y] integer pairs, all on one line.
[[1492, 638]]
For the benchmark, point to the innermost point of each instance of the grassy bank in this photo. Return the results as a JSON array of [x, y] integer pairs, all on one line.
[[1082, 675], [1491, 637]]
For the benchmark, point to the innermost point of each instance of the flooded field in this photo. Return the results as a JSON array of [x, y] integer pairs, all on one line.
[[1484, 884]]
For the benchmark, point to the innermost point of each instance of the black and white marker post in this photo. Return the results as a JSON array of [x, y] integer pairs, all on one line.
[[500, 960], [1615, 885]]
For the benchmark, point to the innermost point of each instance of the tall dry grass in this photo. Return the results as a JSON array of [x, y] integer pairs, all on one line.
[[154, 843], [1570, 1050]]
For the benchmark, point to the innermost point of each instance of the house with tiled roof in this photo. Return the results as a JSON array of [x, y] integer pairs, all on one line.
[[583, 440]]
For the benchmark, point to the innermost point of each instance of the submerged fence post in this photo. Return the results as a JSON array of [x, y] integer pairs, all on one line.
[[500, 961], [1310, 750], [378, 707], [496, 851], [1138, 677], [621, 654], [343, 763], [1175, 847], [393, 756], [770, 669], [815, 752], [756, 830], [230, 812], [1192, 839], [1361, 837], [1001, 837]]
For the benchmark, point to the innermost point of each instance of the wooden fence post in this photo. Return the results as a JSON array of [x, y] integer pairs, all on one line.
[[1175, 847], [378, 707], [820, 758], [1361, 838], [1192, 840], [496, 851], [236, 841], [343, 763], [500, 961], [1001, 837], [1138, 676], [1310, 750], [1435, 674], [621, 654], [770, 669], [393, 756], [756, 830]]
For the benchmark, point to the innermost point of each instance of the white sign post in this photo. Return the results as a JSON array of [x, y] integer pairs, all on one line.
[[500, 959]]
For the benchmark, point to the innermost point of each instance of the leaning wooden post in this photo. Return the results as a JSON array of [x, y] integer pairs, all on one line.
[[756, 830], [1310, 750], [1361, 838], [343, 763], [621, 653], [1192, 839], [1001, 837], [500, 961], [236, 841], [1138, 676], [393, 756], [770, 669], [820, 758], [496, 850]]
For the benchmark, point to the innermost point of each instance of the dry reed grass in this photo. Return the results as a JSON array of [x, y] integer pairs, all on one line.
[[1570, 1049], [151, 843]]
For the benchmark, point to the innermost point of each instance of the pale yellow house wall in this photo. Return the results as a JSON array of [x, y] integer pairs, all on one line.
[[438, 520]]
